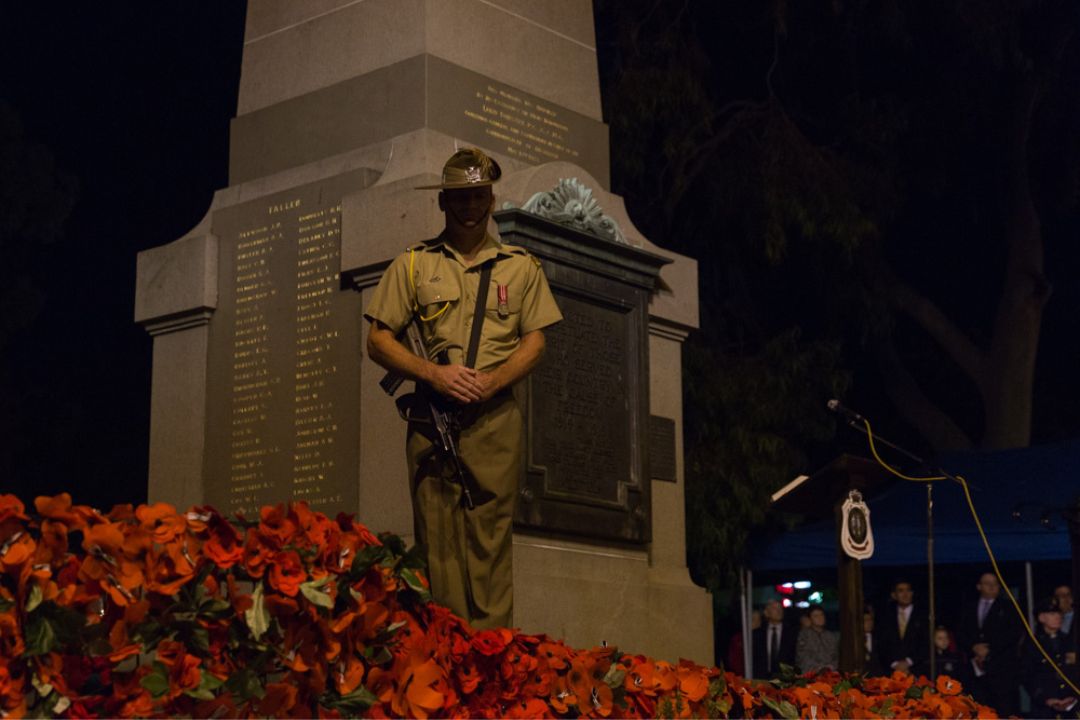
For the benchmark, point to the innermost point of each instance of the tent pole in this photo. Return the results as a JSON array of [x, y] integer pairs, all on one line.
[[930, 568], [747, 579], [1029, 580]]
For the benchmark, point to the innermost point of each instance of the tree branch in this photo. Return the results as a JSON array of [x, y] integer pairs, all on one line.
[[917, 409], [952, 339]]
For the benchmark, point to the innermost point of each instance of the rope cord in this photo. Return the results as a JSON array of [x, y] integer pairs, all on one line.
[[986, 544], [416, 304]]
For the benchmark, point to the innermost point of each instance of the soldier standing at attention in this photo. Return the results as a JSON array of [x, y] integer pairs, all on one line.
[[438, 281]]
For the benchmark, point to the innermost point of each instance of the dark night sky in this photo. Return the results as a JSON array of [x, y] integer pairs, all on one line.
[[134, 100]]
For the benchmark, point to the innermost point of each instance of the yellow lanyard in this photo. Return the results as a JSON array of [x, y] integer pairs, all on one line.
[[416, 305]]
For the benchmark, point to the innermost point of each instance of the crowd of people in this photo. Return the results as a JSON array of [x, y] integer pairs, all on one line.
[[988, 650]]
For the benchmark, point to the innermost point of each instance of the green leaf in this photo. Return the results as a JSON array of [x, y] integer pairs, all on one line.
[[366, 558], [914, 692], [614, 677], [245, 683], [43, 689], [207, 685], [783, 708], [6, 605], [215, 609], [352, 704], [413, 581], [156, 681], [40, 636], [60, 704], [35, 598], [313, 592], [257, 616], [200, 639]]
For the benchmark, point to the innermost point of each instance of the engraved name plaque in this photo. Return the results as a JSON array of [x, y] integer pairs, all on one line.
[[582, 381], [587, 404], [282, 382]]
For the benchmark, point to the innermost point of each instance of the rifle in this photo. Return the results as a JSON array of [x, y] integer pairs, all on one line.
[[445, 421]]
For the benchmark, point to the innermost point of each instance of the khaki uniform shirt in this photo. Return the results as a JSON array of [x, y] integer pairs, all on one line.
[[442, 288]]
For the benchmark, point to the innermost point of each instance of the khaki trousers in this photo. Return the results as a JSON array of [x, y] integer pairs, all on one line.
[[469, 552]]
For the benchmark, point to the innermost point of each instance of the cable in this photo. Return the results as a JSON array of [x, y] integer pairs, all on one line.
[[986, 544], [416, 305]]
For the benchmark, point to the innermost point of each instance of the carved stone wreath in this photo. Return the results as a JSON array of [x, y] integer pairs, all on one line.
[[571, 203]]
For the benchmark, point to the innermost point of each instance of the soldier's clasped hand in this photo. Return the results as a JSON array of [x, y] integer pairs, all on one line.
[[456, 382]]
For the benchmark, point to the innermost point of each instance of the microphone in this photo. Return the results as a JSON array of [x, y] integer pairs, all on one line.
[[848, 413]]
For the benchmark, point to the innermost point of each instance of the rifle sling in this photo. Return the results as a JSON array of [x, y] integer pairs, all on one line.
[[479, 312]]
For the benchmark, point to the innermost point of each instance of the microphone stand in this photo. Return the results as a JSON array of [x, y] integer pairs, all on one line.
[[929, 523]]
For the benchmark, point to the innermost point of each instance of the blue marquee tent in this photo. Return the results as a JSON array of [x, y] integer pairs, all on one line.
[[1028, 480]]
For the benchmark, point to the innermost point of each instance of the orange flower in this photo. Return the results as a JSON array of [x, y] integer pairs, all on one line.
[[121, 643], [556, 654], [287, 573], [172, 569], [59, 509], [380, 682], [531, 708], [11, 508], [139, 706], [562, 694], [185, 675], [664, 676], [416, 695], [693, 681], [350, 671], [162, 520], [53, 544], [947, 686]]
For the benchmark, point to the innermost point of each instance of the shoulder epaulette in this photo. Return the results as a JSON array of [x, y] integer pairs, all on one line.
[[518, 250], [424, 245]]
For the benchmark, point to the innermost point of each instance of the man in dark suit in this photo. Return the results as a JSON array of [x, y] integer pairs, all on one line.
[[774, 642], [990, 634], [903, 633]]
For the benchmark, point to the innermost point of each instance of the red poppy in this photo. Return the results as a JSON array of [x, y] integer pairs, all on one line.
[[276, 526], [225, 546], [492, 642], [257, 554], [287, 573]]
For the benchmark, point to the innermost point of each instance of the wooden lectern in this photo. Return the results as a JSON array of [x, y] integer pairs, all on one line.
[[816, 497]]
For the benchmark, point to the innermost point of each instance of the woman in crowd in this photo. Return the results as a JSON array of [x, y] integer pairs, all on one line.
[[817, 648]]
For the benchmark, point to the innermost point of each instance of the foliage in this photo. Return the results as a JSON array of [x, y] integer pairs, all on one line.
[[842, 173], [149, 612]]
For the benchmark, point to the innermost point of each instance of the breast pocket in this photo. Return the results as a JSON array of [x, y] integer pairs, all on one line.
[[433, 297]]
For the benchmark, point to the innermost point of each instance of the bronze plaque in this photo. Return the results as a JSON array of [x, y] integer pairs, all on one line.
[[477, 109], [662, 449], [587, 402], [579, 391], [283, 387]]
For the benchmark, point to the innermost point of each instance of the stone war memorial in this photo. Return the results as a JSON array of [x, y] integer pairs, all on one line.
[[261, 390]]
